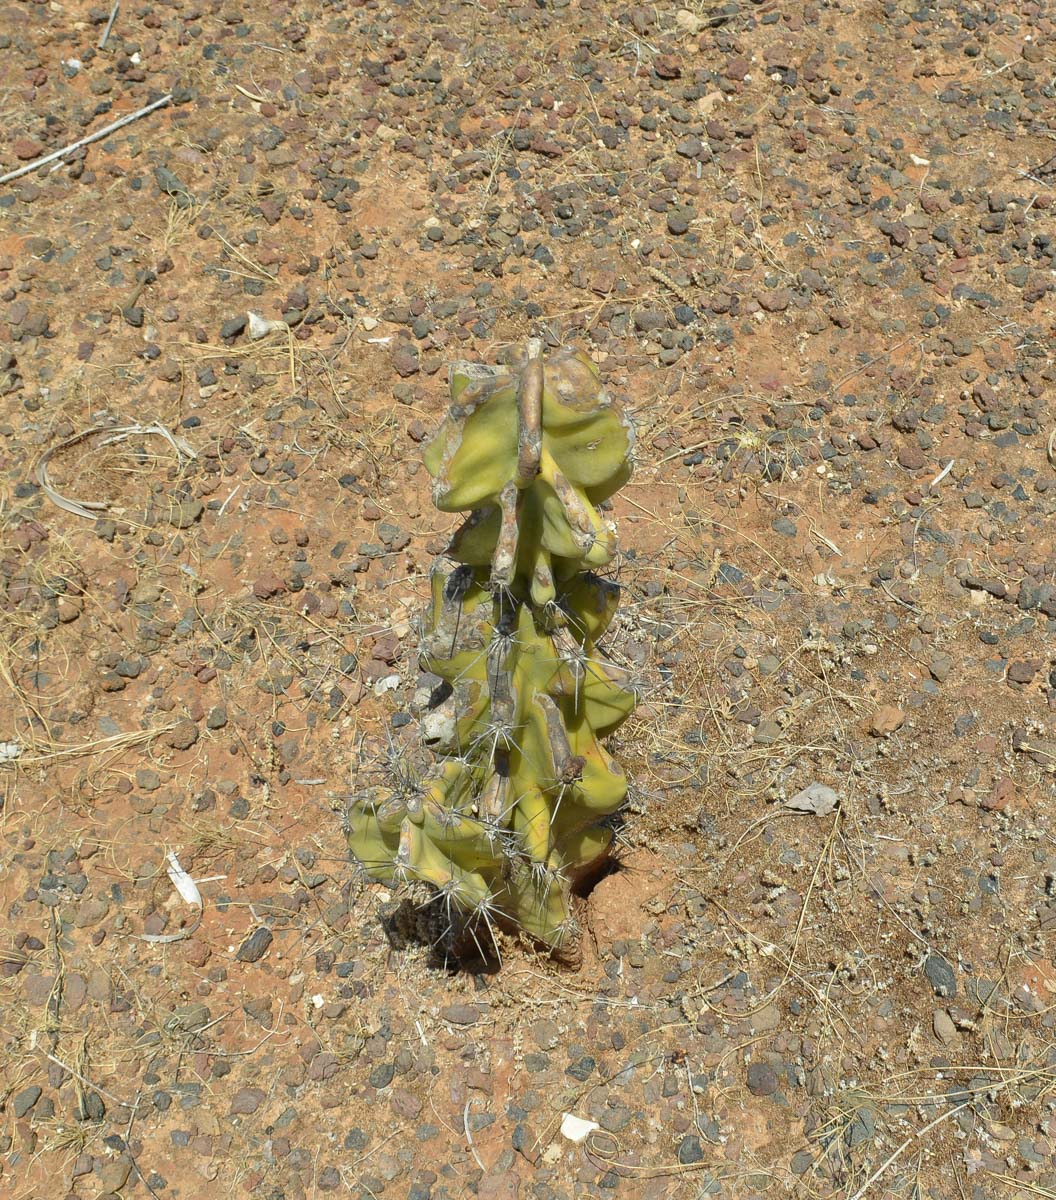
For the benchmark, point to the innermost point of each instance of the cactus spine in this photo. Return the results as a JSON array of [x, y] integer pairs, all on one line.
[[517, 810]]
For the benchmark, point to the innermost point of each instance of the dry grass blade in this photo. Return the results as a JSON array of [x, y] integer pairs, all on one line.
[[115, 742]]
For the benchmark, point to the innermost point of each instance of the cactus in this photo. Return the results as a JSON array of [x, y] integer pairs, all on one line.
[[519, 809]]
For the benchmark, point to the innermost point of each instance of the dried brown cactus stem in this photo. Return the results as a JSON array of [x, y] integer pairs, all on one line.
[[530, 415], [504, 562], [557, 737]]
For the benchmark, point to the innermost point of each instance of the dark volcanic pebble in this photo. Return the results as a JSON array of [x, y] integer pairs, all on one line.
[[256, 945], [25, 1100], [233, 326], [690, 1150], [762, 1079], [940, 975]]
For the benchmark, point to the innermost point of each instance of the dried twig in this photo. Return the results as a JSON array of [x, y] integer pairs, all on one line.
[[109, 25], [88, 1083], [127, 119]]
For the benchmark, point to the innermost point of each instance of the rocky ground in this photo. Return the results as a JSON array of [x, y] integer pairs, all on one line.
[[811, 249]]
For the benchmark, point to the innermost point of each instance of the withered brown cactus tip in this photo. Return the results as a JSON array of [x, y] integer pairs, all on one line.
[[520, 807]]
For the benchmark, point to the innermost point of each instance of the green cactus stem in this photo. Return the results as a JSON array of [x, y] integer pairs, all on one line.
[[520, 806]]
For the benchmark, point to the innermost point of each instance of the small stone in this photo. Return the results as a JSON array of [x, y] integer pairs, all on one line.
[[1029, 596], [546, 1033], [940, 975], [182, 736], [190, 1017], [461, 1014], [767, 1019], [329, 1179], [499, 1185], [114, 1175], [911, 457], [992, 587], [886, 719], [233, 326], [690, 1150], [247, 1100], [767, 733], [405, 360], [862, 1127], [1023, 670], [184, 513], [382, 1075], [91, 1108], [774, 301], [762, 1079], [691, 22], [26, 148], [173, 186], [817, 798], [25, 1100], [91, 912], [1001, 797], [943, 1025], [940, 664], [646, 320], [405, 1104], [802, 1160], [36, 989], [37, 324], [99, 986], [268, 584], [583, 1068], [217, 717], [255, 946]]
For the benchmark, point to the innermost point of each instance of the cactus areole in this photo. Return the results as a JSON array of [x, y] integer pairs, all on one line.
[[520, 807]]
